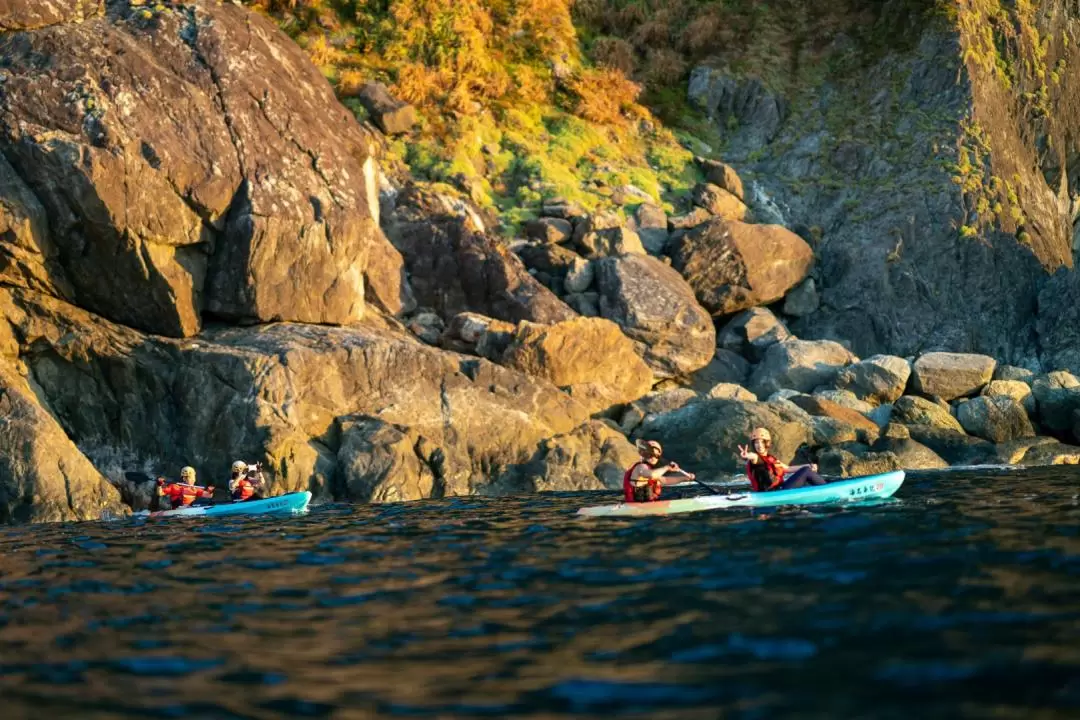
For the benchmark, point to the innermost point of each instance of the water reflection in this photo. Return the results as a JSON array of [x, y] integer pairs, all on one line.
[[961, 599]]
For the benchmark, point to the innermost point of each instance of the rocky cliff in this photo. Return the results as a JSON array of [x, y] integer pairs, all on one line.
[[182, 171], [936, 179], [205, 256]]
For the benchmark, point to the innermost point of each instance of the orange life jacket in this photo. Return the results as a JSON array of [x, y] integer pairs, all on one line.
[[182, 494]]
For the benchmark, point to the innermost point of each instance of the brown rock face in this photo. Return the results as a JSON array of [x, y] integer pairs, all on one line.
[[588, 357], [721, 175], [391, 115], [733, 266], [820, 407], [952, 375], [453, 267], [657, 309], [719, 202], [187, 162], [43, 476], [378, 462], [34, 14], [285, 394], [705, 435]]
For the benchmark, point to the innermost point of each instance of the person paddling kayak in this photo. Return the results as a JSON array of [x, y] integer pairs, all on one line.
[[183, 493], [643, 480], [246, 481], [766, 472]]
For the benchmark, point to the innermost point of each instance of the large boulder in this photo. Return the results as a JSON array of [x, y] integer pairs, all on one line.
[[751, 332], [264, 209], [549, 230], [279, 394], [867, 429], [1057, 396], [953, 446], [846, 398], [910, 454], [392, 116], [378, 462], [704, 436], [1012, 373], [1014, 451], [1015, 389], [386, 281], [733, 266], [651, 224], [719, 202], [855, 460], [43, 476], [879, 379], [952, 375], [725, 367], [800, 365], [997, 418], [590, 358], [657, 309], [1051, 454], [593, 456], [455, 267], [914, 410], [722, 175], [610, 242]]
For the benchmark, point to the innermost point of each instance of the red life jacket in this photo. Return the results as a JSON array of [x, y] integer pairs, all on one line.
[[773, 473], [182, 494], [628, 486], [243, 489]]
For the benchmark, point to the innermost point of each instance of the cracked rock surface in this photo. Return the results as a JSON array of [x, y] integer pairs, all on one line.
[[183, 161]]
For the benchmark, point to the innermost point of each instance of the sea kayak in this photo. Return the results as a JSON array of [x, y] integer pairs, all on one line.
[[869, 487], [290, 503]]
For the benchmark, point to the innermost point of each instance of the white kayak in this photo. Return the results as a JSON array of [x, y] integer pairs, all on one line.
[[290, 503], [869, 487]]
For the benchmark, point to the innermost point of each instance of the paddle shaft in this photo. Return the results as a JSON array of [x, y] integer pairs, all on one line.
[[693, 477]]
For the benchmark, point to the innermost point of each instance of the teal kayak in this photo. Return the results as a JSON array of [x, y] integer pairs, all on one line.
[[288, 504], [869, 487]]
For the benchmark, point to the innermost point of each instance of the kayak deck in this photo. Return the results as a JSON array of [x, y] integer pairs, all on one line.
[[290, 503], [870, 487]]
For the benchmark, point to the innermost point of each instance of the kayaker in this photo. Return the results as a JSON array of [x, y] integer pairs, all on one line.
[[766, 472], [246, 481], [643, 480], [185, 492]]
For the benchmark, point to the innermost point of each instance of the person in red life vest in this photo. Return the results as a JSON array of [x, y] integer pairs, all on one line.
[[766, 472], [246, 481], [185, 492], [643, 480]]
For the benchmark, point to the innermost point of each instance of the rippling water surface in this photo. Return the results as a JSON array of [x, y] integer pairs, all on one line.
[[961, 598]]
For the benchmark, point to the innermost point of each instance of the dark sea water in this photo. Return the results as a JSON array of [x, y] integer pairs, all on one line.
[[960, 598]]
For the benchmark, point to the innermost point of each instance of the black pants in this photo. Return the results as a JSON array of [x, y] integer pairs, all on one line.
[[645, 493], [801, 478]]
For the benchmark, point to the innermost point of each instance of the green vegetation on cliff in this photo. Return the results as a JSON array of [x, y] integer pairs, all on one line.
[[511, 111]]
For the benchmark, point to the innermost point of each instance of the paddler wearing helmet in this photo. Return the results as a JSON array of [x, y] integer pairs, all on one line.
[[245, 481], [185, 492], [643, 480], [766, 472]]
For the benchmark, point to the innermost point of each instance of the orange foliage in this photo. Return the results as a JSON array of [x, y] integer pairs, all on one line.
[[604, 96]]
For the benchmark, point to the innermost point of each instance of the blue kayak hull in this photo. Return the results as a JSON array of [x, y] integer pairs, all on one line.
[[862, 489], [288, 504]]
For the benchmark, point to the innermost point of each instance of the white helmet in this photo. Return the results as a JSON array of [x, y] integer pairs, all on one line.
[[239, 466]]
